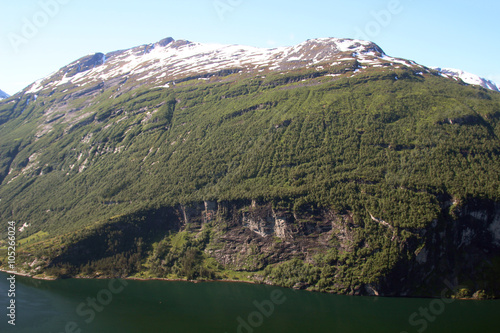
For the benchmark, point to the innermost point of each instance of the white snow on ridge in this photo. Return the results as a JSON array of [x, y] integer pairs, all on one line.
[[352, 45], [160, 63], [399, 61], [182, 58], [468, 78], [193, 57]]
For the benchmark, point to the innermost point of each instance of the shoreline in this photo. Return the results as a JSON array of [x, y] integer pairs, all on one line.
[[182, 280], [132, 278], [27, 275]]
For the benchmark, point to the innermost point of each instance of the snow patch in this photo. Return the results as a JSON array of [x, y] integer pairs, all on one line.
[[467, 78], [23, 227]]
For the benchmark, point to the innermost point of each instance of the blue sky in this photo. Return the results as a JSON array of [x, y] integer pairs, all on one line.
[[38, 37]]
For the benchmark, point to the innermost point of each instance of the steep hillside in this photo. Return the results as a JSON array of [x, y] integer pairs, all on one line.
[[329, 166]]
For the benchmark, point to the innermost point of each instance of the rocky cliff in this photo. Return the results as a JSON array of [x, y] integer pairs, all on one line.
[[314, 249]]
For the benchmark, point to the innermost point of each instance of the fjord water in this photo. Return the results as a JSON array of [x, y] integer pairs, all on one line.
[[160, 306]]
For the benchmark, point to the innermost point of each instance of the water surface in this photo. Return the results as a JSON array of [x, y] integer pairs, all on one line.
[[102, 306]]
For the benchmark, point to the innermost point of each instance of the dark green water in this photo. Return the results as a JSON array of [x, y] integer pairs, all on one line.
[[158, 306]]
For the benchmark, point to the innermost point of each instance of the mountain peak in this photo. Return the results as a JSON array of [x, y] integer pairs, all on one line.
[[3, 94], [164, 42], [167, 61], [347, 44]]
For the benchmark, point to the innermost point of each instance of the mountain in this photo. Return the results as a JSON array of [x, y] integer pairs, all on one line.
[[326, 166], [468, 78], [3, 95], [166, 61]]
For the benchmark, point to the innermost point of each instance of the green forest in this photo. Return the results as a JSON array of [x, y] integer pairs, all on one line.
[[389, 148]]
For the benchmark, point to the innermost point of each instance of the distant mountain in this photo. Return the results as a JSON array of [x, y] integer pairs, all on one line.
[[468, 78], [3, 95], [328, 166]]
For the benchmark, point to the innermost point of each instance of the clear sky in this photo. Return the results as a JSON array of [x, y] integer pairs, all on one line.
[[38, 37]]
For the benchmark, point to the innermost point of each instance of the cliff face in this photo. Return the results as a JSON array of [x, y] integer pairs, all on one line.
[[463, 249], [312, 249]]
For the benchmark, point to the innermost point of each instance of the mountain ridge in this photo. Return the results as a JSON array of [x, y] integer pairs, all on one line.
[[468, 78], [171, 60], [168, 60]]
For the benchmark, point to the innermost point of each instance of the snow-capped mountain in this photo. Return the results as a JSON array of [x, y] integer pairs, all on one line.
[[277, 153], [3, 95], [167, 62], [468, 78]]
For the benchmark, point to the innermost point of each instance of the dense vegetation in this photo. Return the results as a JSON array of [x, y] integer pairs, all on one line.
[[385, 144]]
